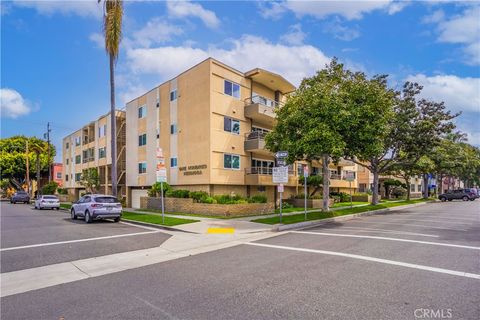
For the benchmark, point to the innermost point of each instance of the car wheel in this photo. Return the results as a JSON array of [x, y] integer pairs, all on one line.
[[443, 199], [117, 219], [465, 198], [88, 219], [73, 215]]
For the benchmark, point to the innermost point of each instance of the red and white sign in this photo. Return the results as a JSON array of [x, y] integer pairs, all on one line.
[[305, 171], [280, 188], [161, 171]]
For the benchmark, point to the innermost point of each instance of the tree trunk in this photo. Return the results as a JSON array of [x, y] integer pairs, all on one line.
[[440, 183], [38, 172], [407, 182], [376, 175], [326, 182], [425, 186], [113, 126]]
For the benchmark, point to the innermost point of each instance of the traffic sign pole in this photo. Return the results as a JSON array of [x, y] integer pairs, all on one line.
[[281, 193], [305, 176], [163, 206]]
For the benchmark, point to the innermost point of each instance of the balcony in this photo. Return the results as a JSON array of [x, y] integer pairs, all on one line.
[[261, 110], [262, 176], [255, 142]]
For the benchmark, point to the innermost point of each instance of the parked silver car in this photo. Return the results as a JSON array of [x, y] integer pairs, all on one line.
[[47, 202], [97, 207], [20, 196]]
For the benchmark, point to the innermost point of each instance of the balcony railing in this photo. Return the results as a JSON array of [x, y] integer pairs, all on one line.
[[264, 171], [261, 100], [255, 135]]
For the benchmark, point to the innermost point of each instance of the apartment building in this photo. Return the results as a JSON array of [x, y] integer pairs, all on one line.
[[210, 122], [89, 147]]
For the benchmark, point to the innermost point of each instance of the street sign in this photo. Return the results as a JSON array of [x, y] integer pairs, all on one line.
[[349, 175], [161, 172], [305, 171], [280, 175], [281, 162], [281, 154], [280, 188]]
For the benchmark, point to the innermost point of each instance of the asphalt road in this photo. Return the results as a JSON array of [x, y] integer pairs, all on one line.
[[27, 235], [420, 263]]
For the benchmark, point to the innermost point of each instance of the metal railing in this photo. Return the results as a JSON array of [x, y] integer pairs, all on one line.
[[255, 135], [264, 171], [262, 100]]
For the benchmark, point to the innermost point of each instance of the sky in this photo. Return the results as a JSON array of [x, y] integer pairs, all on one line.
[[54, 67]]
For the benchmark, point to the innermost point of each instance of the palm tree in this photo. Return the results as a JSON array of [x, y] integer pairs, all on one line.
[[112, 29]]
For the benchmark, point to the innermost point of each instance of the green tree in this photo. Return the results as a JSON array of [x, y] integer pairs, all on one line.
[[308, 125], [112, 29], [50, 188], [90, 180], [313, 181]]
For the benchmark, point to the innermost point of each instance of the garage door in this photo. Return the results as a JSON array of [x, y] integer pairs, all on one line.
[[136, 194]]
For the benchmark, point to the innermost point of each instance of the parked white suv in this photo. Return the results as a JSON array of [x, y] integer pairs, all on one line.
[[49, 201], [97, 207]]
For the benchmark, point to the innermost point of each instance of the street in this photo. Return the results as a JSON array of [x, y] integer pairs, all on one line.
[[415, 263]]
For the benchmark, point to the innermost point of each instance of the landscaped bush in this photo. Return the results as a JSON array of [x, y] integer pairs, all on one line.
[[50, 188], [259, 198], [62, 191], [302, 196], [180, 193], [155, 190], [341, 196], [398, 192], [209, 200], [198, 196], [286, 205]]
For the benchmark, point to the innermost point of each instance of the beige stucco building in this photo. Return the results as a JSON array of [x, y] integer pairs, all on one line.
[[210, 121], [89, 147]]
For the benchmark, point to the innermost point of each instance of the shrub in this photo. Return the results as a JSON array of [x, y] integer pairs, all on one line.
[[155, 190], [342, 196], [179, 193], [228, 199], [50, 188], [286, 205], [398, 192], [198, 196], [209, 200], [62, 191], [259, 198]]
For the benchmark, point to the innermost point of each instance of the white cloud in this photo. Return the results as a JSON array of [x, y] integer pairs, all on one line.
[[294, 36], [98, 39], [463, 29], [12, 104], [83, 8], [183, 9], [154, 32], [340, 31], [320, 9], [459, 94], [245, 54]]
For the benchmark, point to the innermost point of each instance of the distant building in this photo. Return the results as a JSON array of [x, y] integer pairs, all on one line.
[[57, 171]]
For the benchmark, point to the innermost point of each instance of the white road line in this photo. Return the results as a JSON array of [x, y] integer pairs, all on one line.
[[78, 240], [424, 220], [409, 225], [366, 258], [385, 238], [441, 216], [389, 231]]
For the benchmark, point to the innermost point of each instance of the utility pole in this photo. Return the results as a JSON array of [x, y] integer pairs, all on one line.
[[48, 152]]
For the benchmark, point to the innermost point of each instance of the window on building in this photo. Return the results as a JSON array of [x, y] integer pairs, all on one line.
[[158, 133], [66, 177], [412, 187], [362, 187], [142, 111], [261, 166], [142, 167], [173, 162], [173, 128], [59, 175], [78, 141], [419, 188], [78, 176], [231, 161], [231, 125], [67, 145], [102, 152], [173, 95], [102, 131], [142, 140], [232, 89], [78, 159], [67, 161]]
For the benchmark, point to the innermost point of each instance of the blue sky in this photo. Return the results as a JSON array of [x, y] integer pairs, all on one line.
[[54, 68]]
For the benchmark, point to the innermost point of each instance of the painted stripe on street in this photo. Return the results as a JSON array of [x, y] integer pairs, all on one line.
[[389, 231], [386, 238], [78, 240], [372, 259], [220, 230]]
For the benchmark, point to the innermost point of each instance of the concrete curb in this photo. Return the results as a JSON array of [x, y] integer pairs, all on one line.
[[306, 224]]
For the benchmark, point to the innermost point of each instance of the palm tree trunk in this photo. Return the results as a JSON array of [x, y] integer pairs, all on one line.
[[113, 126]]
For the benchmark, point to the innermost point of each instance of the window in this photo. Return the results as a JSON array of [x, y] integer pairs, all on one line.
[[173, 162], [232, 89], [102, 131], [419, 188], [261, 166], [231, 161], [78, 140], [142, 112], [66, 177], [173, 128], [67, 161], [173, 95], [78, 176], [142, 140], [158, 133], [102, 152], [67, 145], [412, 187], [59, 175], [142, 167], [231, 125], [300, 169], [78, 159]]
